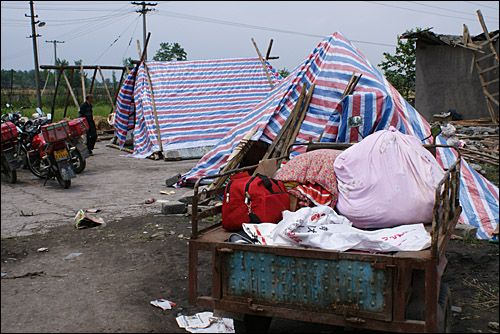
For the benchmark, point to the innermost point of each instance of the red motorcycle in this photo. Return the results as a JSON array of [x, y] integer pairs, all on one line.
[[49, 156], [9, 147]]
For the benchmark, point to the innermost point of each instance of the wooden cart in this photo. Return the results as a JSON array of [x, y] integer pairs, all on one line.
[[395, 292]]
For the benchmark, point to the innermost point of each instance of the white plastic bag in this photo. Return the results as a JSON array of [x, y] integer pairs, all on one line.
[[321, 227]]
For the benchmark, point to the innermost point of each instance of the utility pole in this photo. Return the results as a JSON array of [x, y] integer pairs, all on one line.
[[35, 51], [143, 11], [55, 57]]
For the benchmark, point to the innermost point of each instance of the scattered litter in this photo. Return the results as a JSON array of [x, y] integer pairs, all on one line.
[[205, 322], [162, 201], [150, 200], [180, 236], [31, 275], [163, 304], [83, 220], [170, 192], [172, 180], [456, 309], [25, 215], [42, 249], [493, 325], [4, 274], [72, 256], [93, 210]]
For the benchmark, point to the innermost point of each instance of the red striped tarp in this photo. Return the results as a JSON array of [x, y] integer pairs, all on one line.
[[330, 67], [196, 102]]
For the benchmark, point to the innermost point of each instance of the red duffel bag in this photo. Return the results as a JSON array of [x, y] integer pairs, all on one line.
[[253, 199]]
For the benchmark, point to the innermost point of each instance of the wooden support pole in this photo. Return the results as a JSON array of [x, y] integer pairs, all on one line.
[[67, 96], [286, 125], [83, 82], [302, 115], [52, 110], [71, 91], [158, 132], [106, 88], [268, 53], [93, 80], [264, 66], [486, 33]]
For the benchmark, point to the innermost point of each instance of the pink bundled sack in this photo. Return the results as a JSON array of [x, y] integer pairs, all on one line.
[[387, 179]]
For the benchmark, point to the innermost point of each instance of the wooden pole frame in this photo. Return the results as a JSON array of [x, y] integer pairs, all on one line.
[[263, 65]]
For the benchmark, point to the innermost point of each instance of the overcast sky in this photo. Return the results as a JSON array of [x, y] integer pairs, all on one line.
[[106, 32]]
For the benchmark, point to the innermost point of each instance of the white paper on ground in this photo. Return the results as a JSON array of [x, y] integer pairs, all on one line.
[[205, 322]]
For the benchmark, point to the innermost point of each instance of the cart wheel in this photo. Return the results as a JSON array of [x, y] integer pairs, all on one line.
[[444, 309], [252, 324]]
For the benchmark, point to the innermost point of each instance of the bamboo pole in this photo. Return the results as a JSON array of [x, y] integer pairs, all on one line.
[[263, 64]]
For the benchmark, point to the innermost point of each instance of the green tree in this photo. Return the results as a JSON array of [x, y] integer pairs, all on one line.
[[399, 69], [127, 62], [168, 52], [284, 72]]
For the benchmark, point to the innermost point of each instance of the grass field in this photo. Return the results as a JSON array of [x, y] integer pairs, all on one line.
[[71, 112]]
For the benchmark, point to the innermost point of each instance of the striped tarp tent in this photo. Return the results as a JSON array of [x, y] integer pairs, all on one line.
[[196, 103], [380, 105]]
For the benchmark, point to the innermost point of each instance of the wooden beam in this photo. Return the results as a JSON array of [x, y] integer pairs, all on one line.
[[302, 115], [93, 80], [83, 82], [158, 132], [268, 53], [71, 91], [106, 88], [77, 67], [287, 123], [52, 110], [263, 64], [486, 33]]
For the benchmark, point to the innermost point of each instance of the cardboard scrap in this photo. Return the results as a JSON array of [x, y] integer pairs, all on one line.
[[84, 220]]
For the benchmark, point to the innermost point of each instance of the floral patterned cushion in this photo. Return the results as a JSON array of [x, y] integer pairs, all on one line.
[[315, 167]]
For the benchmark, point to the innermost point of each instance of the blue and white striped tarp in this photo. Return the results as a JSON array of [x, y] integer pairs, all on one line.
[[380, 105], [197, 102]]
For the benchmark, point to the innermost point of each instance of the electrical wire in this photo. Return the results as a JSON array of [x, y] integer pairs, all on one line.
[[420, 11], [450, 10], [250, 26], [136, 20]]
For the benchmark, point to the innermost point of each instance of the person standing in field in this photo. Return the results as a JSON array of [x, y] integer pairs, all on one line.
[[86, 111]]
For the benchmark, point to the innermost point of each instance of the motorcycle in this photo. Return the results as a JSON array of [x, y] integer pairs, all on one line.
[[9, 147], [77, 149], [49, 156]]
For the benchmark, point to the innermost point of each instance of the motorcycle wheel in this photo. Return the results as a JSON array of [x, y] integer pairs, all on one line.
[[62, 182], [9, 173], [78, 162], [36, 166]]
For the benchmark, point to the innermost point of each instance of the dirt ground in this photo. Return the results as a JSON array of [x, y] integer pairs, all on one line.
[[125, 265]]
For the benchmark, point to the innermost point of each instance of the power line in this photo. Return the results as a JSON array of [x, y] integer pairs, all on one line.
[[450, 10], [243, 25], [420, 11], [480, 4]]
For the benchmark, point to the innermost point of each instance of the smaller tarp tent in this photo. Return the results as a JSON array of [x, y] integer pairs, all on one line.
[[196, 103]]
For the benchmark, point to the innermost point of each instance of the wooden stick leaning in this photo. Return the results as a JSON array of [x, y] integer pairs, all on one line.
[[71, 91], [280, 134], [302, 116], [263, 64], [349, 88]]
